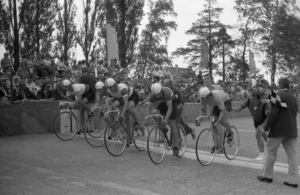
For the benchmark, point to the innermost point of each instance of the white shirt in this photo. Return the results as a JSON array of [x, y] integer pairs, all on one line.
[[78, 90]]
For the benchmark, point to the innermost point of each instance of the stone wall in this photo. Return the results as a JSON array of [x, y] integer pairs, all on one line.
[[33, 117]]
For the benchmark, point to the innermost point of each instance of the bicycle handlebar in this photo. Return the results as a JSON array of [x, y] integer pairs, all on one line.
[[118, 111], [64, 103], [210, 118], [154, 115]]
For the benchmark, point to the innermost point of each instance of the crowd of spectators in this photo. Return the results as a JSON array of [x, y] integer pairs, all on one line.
[[40, 79]]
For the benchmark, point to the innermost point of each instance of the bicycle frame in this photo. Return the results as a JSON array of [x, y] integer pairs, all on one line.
[[159, 123]]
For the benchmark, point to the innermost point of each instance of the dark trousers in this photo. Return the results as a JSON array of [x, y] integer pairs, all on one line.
[[180, 120]]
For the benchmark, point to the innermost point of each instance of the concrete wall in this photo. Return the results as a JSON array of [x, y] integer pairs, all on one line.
[[30, 117], [35, 117]]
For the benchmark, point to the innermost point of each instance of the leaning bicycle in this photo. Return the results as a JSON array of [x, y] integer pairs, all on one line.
[[208, 144], [158, 141], [115, 136]]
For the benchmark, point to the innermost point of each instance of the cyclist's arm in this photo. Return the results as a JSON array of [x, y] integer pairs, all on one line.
[[150, 108], [152, 100], [124, 93], [146, 100], [243, 106], [78, 99]]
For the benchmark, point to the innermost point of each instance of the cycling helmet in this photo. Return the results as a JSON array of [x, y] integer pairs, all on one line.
[[66, 83], [203, 92], [110, 82], [99, 85], [156, 88]]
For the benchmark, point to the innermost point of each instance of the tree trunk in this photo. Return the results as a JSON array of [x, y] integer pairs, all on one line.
[[209, 40], [86, 32], [16, 39], [122, 43], [37, 27], [223, 61], [65, 39]]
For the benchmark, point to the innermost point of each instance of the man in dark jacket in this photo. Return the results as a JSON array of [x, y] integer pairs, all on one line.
[[45, 92], [282, 126]]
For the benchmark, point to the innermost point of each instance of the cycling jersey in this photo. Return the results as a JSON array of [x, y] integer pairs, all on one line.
[[119, 94], [166, 95]]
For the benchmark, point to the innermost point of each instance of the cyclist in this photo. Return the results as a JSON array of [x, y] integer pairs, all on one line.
[[180, 105], [121, 95], [83, 94], [167, 107], [221, 107]]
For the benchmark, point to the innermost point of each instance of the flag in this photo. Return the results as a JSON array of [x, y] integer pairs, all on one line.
[[275, 99], [204, 55], [252, 63], [112, 43]]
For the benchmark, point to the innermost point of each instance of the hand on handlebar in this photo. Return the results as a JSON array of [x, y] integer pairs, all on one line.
[[198, 121], [120, 118]]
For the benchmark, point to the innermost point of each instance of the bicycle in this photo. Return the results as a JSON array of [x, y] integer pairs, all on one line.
[[158, 141], [207, 143], [115, 136], [67, 125]]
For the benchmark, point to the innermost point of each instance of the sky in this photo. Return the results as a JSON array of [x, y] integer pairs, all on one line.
[[187, 11]]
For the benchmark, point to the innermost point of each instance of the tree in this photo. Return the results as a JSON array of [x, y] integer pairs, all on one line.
[[151, 50], [93, 19], [265, 20], [223, 48], [37, 19], [205, 28], [65, 25]]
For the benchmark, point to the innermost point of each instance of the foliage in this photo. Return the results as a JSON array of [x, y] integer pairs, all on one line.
[[152, 51], [65, 35], [205, 28], [45, 24]]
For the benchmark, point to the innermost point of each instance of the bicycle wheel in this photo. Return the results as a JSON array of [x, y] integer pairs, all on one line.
[[94, 130], [205, 147], [231, 149], [140, 140], [156, 145], [66, 126], [181, 141], [115, 139]]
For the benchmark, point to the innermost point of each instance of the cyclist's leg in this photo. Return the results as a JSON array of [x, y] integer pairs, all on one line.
[[174, 132], [84, 107]]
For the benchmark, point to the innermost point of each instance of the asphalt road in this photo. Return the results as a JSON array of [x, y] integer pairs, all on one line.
[[43, 164]]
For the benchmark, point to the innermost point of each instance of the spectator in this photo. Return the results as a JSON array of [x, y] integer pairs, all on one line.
[[58, 92], [45, 92], [24, 93], [30, 84], [52, 67], [39, 65], [5, 62], [88, 79], [24, 64], [3, 93]]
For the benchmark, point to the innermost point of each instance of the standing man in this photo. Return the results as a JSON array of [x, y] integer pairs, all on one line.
[[5, 62], [258, 110], [282, 127]]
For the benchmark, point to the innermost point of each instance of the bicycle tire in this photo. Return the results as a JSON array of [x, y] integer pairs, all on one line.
[[156, 149], [231, 150], [205, 153], [114, 140], [183, 142], [139, 140], [94, 131], [63, 128]]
